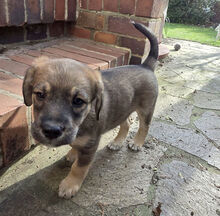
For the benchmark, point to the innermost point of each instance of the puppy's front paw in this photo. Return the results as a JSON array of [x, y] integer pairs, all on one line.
[[134, 147], [115, 146], [69, 187]]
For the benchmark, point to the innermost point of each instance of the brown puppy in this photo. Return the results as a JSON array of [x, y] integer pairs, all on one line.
[[72, 104]]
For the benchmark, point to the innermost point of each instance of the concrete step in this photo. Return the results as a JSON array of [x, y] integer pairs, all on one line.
[[15, 117]]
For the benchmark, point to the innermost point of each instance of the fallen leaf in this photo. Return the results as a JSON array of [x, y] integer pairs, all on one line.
[[157, 211]]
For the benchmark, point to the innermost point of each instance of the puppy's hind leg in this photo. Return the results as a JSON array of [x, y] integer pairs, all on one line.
[[144, 122], [117, 143]]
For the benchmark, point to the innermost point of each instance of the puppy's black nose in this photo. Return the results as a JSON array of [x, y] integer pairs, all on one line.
[[51, 130]]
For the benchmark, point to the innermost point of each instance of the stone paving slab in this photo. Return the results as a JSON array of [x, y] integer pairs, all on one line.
[[207, 100], [188, 140], [173, 109], [209, 124], [120, 178], [185, 190]]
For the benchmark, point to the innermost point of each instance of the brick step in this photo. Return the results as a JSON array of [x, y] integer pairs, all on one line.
[[163, 51], [15, 117]]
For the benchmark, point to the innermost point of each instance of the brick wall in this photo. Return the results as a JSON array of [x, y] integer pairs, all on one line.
[[108, 21], [34, 19]]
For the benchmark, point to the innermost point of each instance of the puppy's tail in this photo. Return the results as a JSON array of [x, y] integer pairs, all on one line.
[[151, 60]]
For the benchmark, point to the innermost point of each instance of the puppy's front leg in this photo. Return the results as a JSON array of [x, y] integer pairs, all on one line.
[[72, 183]]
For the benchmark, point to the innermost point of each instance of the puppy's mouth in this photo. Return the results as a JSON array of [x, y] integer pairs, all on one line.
[[54, 137]]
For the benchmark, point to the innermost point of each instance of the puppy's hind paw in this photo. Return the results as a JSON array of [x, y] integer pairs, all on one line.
[[114, 146], [134, 147]]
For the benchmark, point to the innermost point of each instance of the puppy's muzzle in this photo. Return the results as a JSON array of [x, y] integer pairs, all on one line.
[[52, 130]]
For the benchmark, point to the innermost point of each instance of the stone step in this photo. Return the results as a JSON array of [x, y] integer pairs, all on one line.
[[15, 117]]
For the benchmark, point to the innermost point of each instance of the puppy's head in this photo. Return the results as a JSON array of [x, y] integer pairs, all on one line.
[[62, 92]]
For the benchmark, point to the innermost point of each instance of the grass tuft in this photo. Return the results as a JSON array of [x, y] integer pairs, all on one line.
[[192, 33]]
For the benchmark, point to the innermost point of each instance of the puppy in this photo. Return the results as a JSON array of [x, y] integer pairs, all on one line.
[[73, 104]]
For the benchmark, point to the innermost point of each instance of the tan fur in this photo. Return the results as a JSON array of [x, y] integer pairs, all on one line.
[[72, 183], [80, 142], [40, 61], [71, 155], [120, 138]]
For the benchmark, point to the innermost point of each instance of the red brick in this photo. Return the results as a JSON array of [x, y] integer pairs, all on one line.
[[135, 60], [56, 29], [160, 38], [159, 29], [81, 32], [3, 20], [1, 158], [71, 48], [16, 12], [33, 11], [123, 26], [136, 46], [13, 67], [14, 134], [163, 51], [105, 37], [38, 53], [7, 35], [152, 25], [144, 8], [48, 11], [127, 6], [151, 8], [103, 49], [91, 20], [60, 10], [100, 22], [111, 5], [123, 52], [95, 5], [93, 45], [23, 59], [71, 15], [86, 19], [9, 105], [84, 59], [83, 4], [127, 58], [159, 7], [10, 83], [68, 27], [36, 32]]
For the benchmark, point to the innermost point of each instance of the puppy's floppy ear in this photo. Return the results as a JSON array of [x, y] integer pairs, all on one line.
[[99, 89], [28, 86], [99, 98], [28, 79]]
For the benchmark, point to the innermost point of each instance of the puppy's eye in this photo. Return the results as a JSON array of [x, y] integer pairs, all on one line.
[[40, 95], [78, 102]]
